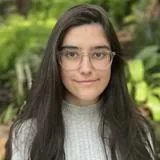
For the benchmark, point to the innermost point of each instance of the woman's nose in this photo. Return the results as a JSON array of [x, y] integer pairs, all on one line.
[[86, 65]]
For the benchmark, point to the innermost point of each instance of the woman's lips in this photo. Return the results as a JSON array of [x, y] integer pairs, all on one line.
[[87, 82]]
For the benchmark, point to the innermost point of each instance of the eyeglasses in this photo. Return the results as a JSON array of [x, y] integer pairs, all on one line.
[[71, 59]]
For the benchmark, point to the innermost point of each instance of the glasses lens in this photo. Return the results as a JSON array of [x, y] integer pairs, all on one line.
[[70, 59], [101, 59]]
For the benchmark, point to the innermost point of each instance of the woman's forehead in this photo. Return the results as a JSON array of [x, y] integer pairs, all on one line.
[[85, 36]]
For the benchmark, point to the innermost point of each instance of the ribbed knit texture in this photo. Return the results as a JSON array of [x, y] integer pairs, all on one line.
[[82, 140]]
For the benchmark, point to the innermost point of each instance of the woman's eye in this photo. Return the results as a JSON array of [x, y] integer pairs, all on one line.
[[99, 55], [70, 54]]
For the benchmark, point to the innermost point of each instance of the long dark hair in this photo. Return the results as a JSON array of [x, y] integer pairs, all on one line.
[[130, 137]]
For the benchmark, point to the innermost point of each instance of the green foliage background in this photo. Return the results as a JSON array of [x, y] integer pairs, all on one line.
[[23, 39]]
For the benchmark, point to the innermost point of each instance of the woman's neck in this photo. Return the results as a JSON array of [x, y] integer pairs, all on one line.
[[80, 102]]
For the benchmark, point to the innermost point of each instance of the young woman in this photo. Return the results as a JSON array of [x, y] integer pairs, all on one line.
[[79, 107]]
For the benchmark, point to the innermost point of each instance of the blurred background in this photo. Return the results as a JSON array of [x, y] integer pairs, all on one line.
[[24, 29]]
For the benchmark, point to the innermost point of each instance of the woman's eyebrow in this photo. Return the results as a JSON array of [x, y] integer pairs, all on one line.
[[101, 47], [92, 47], [69, 47]]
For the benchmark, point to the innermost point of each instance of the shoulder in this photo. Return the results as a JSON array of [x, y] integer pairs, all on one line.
[[24, 129], [22, 137]]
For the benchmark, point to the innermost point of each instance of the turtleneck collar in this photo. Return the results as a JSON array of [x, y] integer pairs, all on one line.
[[87, 109]]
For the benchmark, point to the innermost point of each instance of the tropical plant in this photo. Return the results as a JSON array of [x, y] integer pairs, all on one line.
[[143, 74], [144, 26], [22, 43]]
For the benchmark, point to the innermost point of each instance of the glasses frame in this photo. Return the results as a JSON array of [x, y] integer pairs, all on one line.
[[112, 53]]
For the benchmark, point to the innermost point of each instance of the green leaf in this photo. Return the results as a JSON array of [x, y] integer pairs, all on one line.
[[156, 75], [130, 87], [153, 100], [154, 103], [130, 18], [8, 114], [156, 91], [145, 53], [136, 70], [141, 91]]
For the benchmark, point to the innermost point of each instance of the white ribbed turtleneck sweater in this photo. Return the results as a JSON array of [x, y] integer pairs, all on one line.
[[82, 138]]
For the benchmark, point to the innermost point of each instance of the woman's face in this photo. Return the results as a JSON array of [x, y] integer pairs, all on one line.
[[85, 84]]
